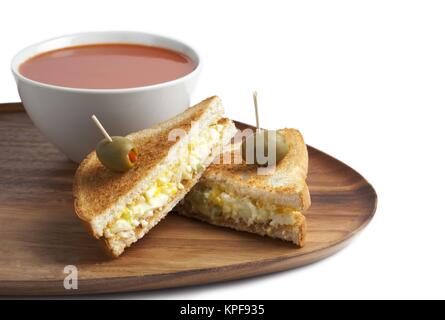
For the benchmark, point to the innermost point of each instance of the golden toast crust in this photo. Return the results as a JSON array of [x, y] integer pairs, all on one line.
[[286, 186], [97, 188]]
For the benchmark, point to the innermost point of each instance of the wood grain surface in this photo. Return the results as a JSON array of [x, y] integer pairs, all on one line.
[[40, 234]]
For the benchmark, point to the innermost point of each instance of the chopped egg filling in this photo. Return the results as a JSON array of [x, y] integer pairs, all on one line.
[[132, 222], [218, 204]]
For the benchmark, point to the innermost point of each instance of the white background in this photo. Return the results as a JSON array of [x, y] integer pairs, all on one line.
[[363, 80]]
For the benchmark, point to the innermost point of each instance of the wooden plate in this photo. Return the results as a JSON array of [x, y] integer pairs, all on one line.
[[40, 233]]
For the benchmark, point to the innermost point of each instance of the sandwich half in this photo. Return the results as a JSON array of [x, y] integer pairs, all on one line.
[[120, 208], [234, 195]]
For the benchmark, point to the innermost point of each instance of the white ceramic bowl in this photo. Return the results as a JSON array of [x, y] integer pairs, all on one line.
[[63, 114]]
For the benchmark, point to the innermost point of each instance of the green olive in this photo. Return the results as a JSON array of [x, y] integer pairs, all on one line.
[[263, 138], [119, 155]]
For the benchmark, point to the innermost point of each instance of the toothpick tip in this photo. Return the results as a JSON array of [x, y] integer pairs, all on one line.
[[101, 128], [257, 118]]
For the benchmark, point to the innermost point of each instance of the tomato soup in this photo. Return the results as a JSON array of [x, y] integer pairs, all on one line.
[[107, 66]]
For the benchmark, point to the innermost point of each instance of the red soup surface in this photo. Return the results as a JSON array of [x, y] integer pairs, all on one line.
[[107, 66]]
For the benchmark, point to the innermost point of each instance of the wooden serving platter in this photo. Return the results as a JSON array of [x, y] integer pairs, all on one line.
[[40, 233]]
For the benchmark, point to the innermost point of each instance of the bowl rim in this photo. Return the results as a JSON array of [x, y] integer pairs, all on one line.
[[16, 61]]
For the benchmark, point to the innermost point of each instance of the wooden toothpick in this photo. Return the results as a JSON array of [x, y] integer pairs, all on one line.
[[255, 102], [101, 128]]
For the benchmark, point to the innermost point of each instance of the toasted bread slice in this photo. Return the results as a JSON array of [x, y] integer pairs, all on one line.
[[236, 196], [109, 203], [295, 232], [285, 187]]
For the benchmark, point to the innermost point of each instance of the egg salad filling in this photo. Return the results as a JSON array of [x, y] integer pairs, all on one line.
[[218, 204], [131, 224]]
